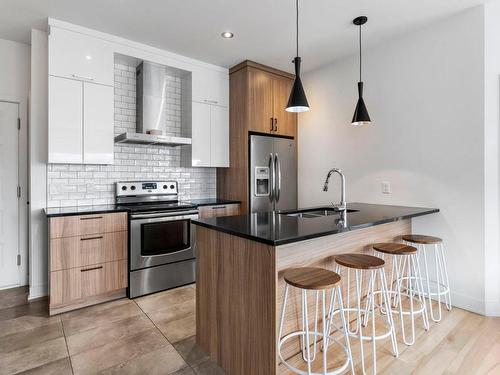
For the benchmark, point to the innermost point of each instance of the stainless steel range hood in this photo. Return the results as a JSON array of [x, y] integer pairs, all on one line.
[[151, 109]]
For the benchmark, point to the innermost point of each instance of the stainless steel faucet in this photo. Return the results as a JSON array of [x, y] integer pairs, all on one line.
[[343, 204]]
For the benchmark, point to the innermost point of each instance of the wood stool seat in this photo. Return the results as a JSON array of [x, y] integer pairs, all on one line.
[[394, 248], [422, 239], [359, 261], [311, 278]]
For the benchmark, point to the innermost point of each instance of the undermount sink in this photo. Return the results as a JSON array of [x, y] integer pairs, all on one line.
[[316, 212]]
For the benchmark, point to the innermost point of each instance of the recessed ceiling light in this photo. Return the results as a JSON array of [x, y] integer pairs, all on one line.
[[227, 35], [88, 57]]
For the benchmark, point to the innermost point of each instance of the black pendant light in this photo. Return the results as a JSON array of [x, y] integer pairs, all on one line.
[[297, 102], [361, 116]]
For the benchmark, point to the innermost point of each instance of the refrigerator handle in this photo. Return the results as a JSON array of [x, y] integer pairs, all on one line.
[[278, 179], [271, 183]]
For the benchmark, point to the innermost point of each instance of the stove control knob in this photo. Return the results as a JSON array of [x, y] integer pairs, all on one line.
[[165, 187], [172, 187], [132, 187], [124, 188]]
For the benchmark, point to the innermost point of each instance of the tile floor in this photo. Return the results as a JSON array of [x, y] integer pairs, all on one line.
[[155, 335], [149, 335]]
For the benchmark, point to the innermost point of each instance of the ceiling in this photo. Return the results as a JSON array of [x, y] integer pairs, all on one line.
[[264, 29]]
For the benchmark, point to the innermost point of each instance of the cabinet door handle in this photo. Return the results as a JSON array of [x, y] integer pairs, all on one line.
[[218, 207], [272, 124], [91, 218], [82, 77], [91, 238], [211, 101], [91, 269], [275, 124]]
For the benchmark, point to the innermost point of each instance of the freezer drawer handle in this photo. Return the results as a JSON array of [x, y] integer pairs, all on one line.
[[218, 207], [91, 269], [91, 218]]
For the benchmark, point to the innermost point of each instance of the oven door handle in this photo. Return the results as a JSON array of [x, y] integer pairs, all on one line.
[[172, 215]]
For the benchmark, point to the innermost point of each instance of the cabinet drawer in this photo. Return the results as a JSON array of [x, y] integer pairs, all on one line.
[[72, 285], [219, 210], [83, 225], [79, 251]]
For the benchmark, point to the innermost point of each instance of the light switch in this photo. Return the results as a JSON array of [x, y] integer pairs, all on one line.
[[386, 187]]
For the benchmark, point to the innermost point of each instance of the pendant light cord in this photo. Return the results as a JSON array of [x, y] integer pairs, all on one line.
[[297, 9], [360, 55]]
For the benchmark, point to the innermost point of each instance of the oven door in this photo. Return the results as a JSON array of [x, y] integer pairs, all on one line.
[[161, 238]]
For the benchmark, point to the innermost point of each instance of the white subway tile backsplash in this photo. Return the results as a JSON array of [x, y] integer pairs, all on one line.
[[80, 185]]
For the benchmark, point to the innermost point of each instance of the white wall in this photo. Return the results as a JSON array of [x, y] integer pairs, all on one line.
[[424, 92], [14, 87], [38, 164], [492, 156]]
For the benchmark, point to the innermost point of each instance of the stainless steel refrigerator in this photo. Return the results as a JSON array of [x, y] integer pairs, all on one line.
[[273, 173]]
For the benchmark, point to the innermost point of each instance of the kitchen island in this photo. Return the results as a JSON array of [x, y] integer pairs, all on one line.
[[240, 265]]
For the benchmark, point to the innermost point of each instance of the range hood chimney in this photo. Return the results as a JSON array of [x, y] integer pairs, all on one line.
[[151, 97]]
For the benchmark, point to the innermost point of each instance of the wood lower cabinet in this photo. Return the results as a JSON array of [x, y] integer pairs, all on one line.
[[219, 210], [87, 260]]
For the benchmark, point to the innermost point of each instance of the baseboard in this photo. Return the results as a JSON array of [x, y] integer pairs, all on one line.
[[493, 309], [467, 303], [37, 292]]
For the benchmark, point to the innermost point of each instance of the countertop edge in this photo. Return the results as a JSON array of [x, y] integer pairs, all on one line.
[[315, 235], [88, 210]]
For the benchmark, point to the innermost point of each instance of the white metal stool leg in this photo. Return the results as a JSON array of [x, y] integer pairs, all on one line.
[[363, 313], [413, 292], [306, 334], [446, 281]]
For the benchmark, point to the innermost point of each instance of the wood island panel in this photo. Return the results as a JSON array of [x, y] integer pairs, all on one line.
[[240, 289], [236, 302]]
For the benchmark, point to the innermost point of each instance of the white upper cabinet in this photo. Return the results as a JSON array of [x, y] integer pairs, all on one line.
[[65, 120], [209, 137], [210, 86], [200, 135], [219, 136], [79, 56], [98, 124]]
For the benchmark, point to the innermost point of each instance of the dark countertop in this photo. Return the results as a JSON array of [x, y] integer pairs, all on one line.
[[211, 202], [110, 208], [277, 229], [83, 210]]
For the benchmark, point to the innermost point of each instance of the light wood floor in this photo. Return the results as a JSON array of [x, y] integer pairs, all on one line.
[[155, 335]]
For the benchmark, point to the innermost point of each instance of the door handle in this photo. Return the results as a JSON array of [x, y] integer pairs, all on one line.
[[275, 124], [82, 77], [271, 168], [272, 124], [91, 269], [278, 180], [91, 238], [91, 218]]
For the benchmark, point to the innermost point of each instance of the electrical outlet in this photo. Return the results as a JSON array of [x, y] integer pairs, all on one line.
[[386, 187]]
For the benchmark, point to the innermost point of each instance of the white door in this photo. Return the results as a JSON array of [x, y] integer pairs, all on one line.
[[98, 124], [65, 120], [200, 141], [9, 214], [219, 136]]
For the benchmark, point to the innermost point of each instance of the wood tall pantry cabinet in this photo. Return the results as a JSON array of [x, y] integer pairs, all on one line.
[[257, 102]]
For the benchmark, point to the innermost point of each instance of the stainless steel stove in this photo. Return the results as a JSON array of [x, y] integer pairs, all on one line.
[[162, 241]]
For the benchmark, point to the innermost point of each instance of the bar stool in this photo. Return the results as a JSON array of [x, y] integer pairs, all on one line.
[[426, 244], [375, 267], [405, 268], [319, 280]]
